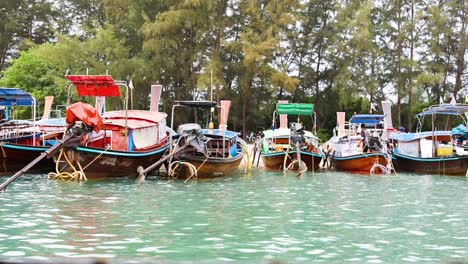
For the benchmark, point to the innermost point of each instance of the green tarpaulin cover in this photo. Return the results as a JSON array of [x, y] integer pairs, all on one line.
[[295, 109]]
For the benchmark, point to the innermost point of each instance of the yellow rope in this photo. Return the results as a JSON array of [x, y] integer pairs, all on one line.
[[75, 175], [286, 155], [247, 158]]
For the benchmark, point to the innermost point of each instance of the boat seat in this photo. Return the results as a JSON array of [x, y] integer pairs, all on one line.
[[218, 152], [51, 135]]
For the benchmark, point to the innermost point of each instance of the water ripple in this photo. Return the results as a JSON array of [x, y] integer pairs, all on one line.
[[324, 217]]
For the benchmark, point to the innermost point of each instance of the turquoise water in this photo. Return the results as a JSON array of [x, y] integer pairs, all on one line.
[[323, 217]]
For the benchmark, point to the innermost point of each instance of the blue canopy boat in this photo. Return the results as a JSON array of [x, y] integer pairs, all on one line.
[[354, 152], [435, 151], [24, 140], [205, 153]]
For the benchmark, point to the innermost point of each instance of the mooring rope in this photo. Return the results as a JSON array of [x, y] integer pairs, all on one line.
[[178, 165], [3, 150], [75, 175], [91, 162], [286, 155], [378, 166], [302, 167], [4, 161], [244, 146], [390, 166], [192, 169]]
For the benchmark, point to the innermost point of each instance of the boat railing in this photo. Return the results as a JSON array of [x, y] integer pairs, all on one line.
[[348, 131]]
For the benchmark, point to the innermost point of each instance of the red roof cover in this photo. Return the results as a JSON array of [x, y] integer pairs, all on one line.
[[86, 113], [150, 116], [94, 85], [135, 118]]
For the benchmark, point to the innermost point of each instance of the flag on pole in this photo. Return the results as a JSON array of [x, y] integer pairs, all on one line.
[[130, 84]]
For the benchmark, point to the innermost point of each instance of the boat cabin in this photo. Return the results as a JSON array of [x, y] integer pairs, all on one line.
[[436, 143], [347, 139], [136, 131]]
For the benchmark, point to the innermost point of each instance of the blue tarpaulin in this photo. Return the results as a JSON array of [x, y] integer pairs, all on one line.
[[15, 97], [460, 130]]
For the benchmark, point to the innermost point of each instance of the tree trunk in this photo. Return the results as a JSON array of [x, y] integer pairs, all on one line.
[[244, 116], [461, 53], [399, 47], [410, 79], [399, 110], [317, 81]]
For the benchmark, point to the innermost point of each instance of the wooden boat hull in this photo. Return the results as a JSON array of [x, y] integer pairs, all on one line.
[[275, 160], [99, 163], [454, 165], [14, 157], [361, 163], [208, 168]]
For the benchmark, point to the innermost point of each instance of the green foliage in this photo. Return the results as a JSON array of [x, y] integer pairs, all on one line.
[[41, 69], [34, 74], [324, 134]]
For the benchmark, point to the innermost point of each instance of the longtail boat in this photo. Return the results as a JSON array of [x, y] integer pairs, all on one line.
[[359, 146], [442, 152], [290, 148], [21, 141], [121, 140], [205, 153]]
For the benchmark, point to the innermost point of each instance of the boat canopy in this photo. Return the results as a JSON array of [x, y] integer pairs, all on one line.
[[283, 132], [15, 97], [446, 109], [416, 136], [150, 116], [367, 119], [202, 104], [295, 109], [94, 85], [219, 133]]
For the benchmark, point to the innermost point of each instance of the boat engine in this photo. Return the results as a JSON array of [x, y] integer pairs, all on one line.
[[297, 134], [192, 133], [79, 129], [375, 144]]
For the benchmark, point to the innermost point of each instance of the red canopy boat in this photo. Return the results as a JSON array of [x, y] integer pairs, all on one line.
[[120, 141]]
